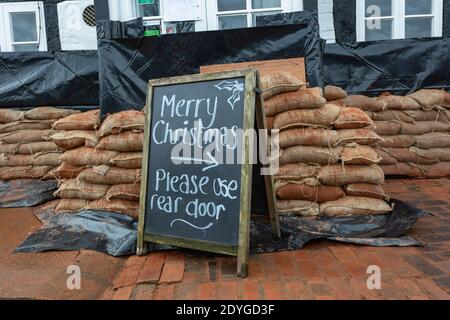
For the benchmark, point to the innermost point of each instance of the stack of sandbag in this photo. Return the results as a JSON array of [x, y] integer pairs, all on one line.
[[415, 131], [326, 164], [25, 149], [110, 171]]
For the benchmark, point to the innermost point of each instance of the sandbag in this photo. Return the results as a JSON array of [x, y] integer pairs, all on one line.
[[354, 206], [340, 103], [24, 136], [269, 122], [85, 156], [365, 190], [402, 169], [399, 141], [338, 175], [308, 137], [26, 125], [26, 172], [364, 103], [65, 171], [387, 128], [16, 160], [334, 93], [385, 158], [430, 98], [128, 141], [112, 176], [392, 115], [298, 207], [74, 189], [321, 117], [71, 205], [28, 148], [439, 114], [357, 154], [433, 140], [89, 120], [407, 156], [301, 99], [439, 154], [10, 115], [129, 208], [297, 171], [310, 155], [276, 82], [360, 136], [129, 192], [317, 194], [128, 160], [438, 170], [122, 121], [422, 127], [50, 158], [393, 102], [352, 118], [47, 113], [68, 140]]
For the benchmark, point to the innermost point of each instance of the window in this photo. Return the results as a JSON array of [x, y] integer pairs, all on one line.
[[398, 19], [151, 12], [310, 5], [22, 27], [232, 14]]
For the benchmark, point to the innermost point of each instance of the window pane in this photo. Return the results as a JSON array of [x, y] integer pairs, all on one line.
[[418, 7], [232, 22], [262, 14], [263, 4], [378, 29], [378, 8], [180, 27], [227, 5], [310, 5], [23, 26], [149, 10], [418, 27], [25, 47]]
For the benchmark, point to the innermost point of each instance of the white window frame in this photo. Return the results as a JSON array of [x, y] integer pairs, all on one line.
[[214, 13], [398, 17], [6, 41]]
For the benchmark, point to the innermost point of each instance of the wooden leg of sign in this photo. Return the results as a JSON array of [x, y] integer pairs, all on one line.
[[141, 247], [268, 179]]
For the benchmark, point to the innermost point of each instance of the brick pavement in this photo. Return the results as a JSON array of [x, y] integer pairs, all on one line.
[[321, 270]]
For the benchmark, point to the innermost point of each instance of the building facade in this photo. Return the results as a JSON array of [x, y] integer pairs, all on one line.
[[71, 25]]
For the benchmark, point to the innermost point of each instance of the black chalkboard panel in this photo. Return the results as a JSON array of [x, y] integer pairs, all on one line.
[[197, 175]]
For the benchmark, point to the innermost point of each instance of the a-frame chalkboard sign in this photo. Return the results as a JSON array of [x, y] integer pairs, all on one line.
[[197, 166]]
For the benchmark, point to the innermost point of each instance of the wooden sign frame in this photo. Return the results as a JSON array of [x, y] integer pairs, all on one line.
[[242, 249]]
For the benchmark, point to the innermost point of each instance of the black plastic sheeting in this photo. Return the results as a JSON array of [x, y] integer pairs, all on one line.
[[34, 79], [107, 29], [126, 65], [111, 233], [397, 66], [116, 234], [26, 193]]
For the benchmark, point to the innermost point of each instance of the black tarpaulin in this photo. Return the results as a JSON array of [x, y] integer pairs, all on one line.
[[107, 29], [26, 193], [116, 234], [126, 65], [34, 79], [397, 66]]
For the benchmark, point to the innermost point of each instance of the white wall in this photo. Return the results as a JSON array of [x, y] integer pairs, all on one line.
[[326, 22]]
